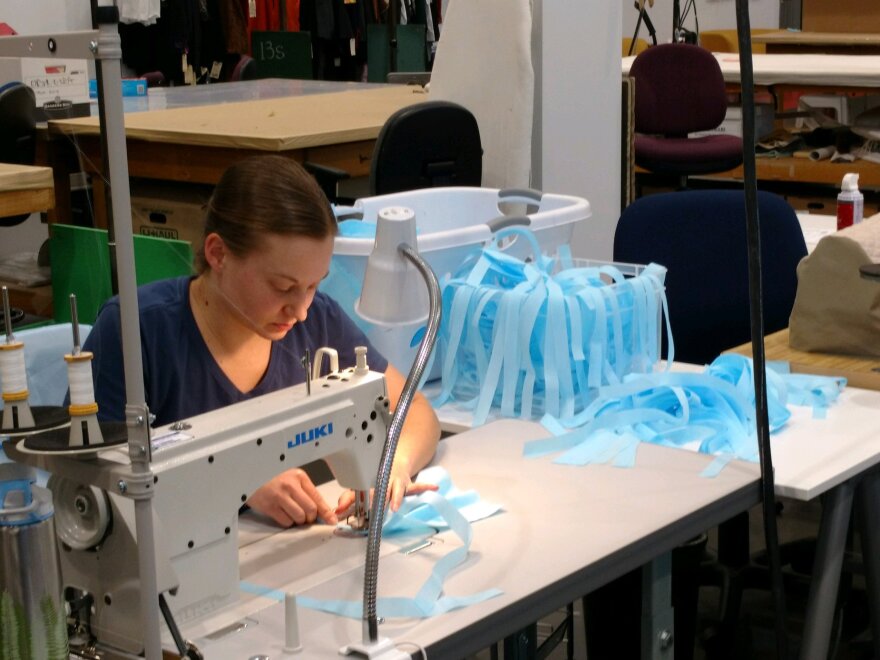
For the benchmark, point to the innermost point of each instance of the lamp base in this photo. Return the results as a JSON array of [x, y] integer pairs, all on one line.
[[382, 649]]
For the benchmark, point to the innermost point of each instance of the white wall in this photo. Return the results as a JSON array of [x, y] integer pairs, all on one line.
[[576, 143], [713, 15], [42, 16]]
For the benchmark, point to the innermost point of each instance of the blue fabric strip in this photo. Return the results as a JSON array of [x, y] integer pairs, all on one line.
[[714, 410], [538, 336]]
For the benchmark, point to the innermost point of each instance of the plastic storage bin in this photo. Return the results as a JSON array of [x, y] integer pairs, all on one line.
[[531, 339], [453, 224]]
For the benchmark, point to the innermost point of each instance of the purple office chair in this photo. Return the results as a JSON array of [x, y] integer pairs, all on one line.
[[680, 90], [244, 69]]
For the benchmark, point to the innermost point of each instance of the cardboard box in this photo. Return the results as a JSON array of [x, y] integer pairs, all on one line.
[[169, 210], [858, 16], [839, 108], [732, 124]]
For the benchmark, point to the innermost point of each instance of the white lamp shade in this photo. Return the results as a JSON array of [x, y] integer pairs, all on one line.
[[394, 291]]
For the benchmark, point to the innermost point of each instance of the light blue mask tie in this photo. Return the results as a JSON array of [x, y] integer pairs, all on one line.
[[420, 514], [714, 409]]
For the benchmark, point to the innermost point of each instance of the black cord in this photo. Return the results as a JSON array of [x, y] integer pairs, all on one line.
[[179, 642], [632, 43], [768, 496]]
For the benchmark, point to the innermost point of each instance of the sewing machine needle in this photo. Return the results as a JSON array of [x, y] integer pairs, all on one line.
[[306, 361]]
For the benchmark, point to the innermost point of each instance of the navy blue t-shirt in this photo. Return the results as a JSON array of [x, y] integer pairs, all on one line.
[[181, 377]]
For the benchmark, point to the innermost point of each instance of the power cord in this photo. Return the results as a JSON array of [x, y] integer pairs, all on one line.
[[418, 647]]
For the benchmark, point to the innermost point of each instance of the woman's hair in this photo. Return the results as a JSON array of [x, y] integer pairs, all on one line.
[[261, 196]]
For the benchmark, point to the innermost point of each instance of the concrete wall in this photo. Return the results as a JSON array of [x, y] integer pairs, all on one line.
[[576, 145]]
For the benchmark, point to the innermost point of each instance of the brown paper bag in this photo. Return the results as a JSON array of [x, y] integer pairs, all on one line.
[[835, 310]]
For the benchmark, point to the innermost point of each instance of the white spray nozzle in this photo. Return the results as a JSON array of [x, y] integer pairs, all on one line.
[[850, 182]]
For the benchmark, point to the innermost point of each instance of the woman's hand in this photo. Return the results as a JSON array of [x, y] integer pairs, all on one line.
[[399, 485], [292, 499]]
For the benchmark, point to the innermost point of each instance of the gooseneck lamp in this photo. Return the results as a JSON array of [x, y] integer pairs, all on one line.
[[399, 288]]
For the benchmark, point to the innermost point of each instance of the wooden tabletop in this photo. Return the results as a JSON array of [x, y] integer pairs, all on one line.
[[275, 124], [861, 372], [818, 38], [25, 189]]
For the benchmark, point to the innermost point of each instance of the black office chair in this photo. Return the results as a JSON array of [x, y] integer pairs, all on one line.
[[700, 236], [425, 145], [18, 108]]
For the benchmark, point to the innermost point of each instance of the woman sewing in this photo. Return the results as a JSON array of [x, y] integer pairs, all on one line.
[[239, 327]]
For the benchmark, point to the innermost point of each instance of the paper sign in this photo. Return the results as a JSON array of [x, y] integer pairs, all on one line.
[[55, 80]]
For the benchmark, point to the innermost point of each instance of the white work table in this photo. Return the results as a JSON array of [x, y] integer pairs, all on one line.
[[834, 458], [810, 456], [563, 532], [187, 96], [799, 69]]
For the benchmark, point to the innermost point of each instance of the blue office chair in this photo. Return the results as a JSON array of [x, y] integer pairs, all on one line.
[[700, 236]]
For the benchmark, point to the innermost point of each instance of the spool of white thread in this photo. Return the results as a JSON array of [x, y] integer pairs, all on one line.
[[12, 369], [79, 376]]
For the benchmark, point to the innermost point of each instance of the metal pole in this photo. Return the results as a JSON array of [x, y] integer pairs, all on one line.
[[756, 304], [109, 54], [104, 46], [105, 165]]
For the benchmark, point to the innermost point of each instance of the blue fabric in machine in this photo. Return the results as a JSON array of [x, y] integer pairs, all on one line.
[[420, 515], [538, 336], [714, 410]]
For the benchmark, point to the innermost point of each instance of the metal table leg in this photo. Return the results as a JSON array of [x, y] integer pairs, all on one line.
[[657, 614], [869, 508], [836, 510]]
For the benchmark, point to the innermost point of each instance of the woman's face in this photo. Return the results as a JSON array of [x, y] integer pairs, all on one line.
[[272, 287]]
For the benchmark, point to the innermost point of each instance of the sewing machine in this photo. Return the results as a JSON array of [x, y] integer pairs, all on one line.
[[204, 468]]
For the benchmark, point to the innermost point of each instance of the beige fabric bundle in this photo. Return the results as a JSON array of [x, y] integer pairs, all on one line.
[[835, 310]]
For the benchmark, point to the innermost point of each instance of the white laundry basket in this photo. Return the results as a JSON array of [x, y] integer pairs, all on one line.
[[452, 225]]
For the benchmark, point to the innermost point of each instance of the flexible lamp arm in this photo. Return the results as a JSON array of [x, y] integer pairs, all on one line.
[[377, 513]]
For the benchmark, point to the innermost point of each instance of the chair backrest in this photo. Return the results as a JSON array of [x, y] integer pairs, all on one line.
[[80, 260], [18, 120], [18, 108], [700, 236], [245, 69], [679, 90], [430, 144]]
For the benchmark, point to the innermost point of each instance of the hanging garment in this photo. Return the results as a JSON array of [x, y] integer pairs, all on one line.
[[267, 15], [234, 22], [163, 45], [145, 12]]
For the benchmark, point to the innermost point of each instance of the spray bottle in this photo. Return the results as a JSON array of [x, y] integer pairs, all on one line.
[[850, 202]]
